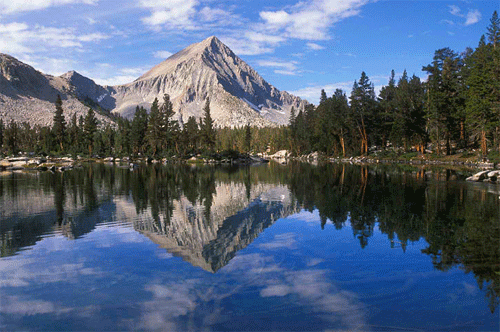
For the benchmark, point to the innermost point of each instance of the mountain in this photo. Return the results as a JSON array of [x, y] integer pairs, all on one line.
[[209, 69], [26, 95], [85, 88]]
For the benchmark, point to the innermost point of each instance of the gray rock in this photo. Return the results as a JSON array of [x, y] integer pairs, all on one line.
[[494, 174], [238, 94], [478, 177], [26, 95]]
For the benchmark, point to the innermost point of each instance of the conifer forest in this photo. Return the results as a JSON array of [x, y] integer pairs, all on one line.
[[454, 110]]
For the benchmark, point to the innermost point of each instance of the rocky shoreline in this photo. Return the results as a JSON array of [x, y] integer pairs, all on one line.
[[283, 157], [67, 163], [25, 163]]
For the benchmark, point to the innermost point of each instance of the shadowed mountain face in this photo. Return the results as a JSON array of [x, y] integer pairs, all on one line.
[[209, 69], [26, 95]]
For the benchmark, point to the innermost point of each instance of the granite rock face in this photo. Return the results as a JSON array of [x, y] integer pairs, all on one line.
[[27, 95], [209, 69]]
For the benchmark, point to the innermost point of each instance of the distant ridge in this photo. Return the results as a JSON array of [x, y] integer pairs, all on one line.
[[27, 95]]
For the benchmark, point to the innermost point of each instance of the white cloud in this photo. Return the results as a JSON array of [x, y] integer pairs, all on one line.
[[109, 75], [53, 66], [172, 13], [263, 38], [289, 65], [310, 20], [286, 72], [285, 240], [284, 67], [13, 305], [473, 16], [253, 42], [312, 93], [20, 39], [455, 11], [91, 21], [16, 6], [162, 54], [219, 17], [242, 46], [314, 46], [12, 37], [93, 37]]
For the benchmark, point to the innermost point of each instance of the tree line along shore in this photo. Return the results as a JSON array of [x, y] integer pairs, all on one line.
[[452, 117]]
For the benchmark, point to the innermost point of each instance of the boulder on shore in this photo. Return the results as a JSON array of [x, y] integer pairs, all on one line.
[[486, 176]]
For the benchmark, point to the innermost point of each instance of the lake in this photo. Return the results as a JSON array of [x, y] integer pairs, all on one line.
[[264, 248]]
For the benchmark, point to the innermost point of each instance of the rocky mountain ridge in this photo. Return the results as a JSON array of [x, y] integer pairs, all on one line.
[[207, 70], [27, 95]]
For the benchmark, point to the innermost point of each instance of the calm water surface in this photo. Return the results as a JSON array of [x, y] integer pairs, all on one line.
[[268, 248]]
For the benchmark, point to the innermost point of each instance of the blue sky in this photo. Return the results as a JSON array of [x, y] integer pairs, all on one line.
[[297, 46]]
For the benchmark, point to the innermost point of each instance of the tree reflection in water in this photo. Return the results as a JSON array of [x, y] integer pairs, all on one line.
[[459, 221]]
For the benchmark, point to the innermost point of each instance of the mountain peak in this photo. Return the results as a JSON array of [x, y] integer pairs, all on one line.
[[209, 40], [71, 74], [210, 45], [238, 94]]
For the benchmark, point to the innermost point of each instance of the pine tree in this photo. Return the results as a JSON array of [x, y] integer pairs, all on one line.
[[323, 97], [138, 130], [12, 137], [494, 39], [292, 117], [156, 130], [322, 132], [494, 29], [191, 134], [59, 124], [208, 132], [386, 99], [122, 141], [248, 138], [1, 134], [417, 119], [400, 129], [89, 130], [342, 118], [364, 105], [171, 128], [480, 99], [74, 134], [444, 100]]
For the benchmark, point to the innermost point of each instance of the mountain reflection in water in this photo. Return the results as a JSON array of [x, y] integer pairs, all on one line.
[[205, 215]]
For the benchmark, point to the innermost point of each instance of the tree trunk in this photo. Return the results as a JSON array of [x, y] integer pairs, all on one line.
[[448, 144], [484, 147], [438, 143], [342, 144], [462, 131]]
